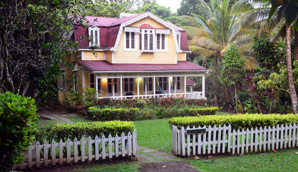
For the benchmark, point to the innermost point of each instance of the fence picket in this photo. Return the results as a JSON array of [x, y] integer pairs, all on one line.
[[273, 138], [123, 144], [277, 137], [256, 139], [83, 149], [252, 140], [238, 141], [224, 138], [75, 150], [199, 143], [229, 137], [286, 136], [134, 146], [89, 149], [103, 147], [68, 153], [45, 153], [219, 140], [242, 141], [30, 148], [96, 143], [61, 152], [179, 142], [209, 138], [234, 139], [188, 142], [282, 137], [117, 145], [129, 144], [37, 156], [214, 139], [194, 143], [294, 135], [290, 135], [204, 141], [183, 141]]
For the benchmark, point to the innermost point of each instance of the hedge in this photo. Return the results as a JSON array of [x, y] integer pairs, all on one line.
[[240, 121], [132, 114], [78, 130]]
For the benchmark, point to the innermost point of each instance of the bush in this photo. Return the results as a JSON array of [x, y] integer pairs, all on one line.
[[78, 130], [240, 121], [131, 114], [17, 123]]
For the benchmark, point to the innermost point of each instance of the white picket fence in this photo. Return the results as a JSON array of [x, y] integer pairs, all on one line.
[[91, 149], [223, 139]]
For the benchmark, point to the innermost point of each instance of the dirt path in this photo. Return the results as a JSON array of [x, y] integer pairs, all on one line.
[[153, 161]]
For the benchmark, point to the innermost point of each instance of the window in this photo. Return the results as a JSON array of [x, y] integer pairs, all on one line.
[[163, 82], [146, 39], [130, 41], [178, 83], [148, 84], [110, 85], [178, 39], [99, 84], [128, 84], [92, 80], [94, 36], [161, 41]]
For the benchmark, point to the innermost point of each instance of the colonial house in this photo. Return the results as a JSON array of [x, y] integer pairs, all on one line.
[[134, 56]]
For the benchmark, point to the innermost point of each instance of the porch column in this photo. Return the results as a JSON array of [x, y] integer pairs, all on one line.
[[203, 85], [138, 80], [175, 86], [185, 86], [147, 81], [169, 81], [96, 85], [83, 84], [154, 86], [121, 87], [113, 88]]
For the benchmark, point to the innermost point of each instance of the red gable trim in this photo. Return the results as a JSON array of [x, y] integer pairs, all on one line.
[[146, 26]]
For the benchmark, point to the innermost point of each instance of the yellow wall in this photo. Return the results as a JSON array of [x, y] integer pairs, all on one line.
[[148, 20], [93, 55], [181, 57], [109, 56]]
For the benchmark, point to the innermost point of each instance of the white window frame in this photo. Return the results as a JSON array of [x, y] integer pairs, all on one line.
[[162, 82], [128, 84], [135, 41], [115, 85], [147, 82], [180, 83], [160, 43], [92, 40], [142, 34]]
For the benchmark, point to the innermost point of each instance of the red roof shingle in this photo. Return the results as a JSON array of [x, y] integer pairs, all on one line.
[[105, 66]]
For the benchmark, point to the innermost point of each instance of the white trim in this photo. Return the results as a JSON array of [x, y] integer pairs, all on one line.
[[132, 29], [82, 55], [135, 40], [166, 43], [163, 31], [178, 41], [142, 33], [146, 83], [167, 71], [136, 19], [185, 56], [82, 49], [91, 41]]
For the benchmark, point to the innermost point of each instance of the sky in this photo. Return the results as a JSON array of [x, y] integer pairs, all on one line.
[[173, 4]]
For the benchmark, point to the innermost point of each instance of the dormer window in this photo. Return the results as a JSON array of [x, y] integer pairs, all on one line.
[[130, 41], [147, 39], [94, 37]]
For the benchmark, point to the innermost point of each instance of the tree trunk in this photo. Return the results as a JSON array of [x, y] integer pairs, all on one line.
[[296, 44], [236, 99], [290, 74]]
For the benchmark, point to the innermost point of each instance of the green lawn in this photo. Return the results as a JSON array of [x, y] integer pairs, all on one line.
[[156, 134], [75, 119]]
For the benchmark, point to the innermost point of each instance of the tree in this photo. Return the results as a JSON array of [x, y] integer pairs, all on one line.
[[160, 11], [287, 9], [233, 70], [34, 36], [221, 26]]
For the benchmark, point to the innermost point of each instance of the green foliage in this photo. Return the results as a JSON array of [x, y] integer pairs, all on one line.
[[268, 54], [233, 67], [131, 114], [17, 123], [240, 121], [89, 97], [140, 103], [84, 129]]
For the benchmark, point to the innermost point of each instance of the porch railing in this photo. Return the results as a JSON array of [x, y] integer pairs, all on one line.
[[188, 95]]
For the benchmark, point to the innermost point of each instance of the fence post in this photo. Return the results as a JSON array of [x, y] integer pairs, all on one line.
[[188, 143], [134, 142], [183, 141], [174, 140]]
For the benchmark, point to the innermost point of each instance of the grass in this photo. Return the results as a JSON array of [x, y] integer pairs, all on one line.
[[156, 134], [76, 119]]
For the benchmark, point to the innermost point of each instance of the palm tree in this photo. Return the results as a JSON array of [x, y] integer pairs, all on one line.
[[223, 25]]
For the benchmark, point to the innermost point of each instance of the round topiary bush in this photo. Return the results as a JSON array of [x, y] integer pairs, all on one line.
[[17, 123]]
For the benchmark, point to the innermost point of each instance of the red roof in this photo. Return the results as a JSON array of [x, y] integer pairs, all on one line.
[[109, 28], [190, 82], [105, 66]]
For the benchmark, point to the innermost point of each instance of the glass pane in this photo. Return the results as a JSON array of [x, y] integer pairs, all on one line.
[[92, 38], [146, 42], [130, 79], [92, 78], [160, 79], [126, 87], [158, 41], [115, 85], [110, 81], [127, 39], [165, 86], [165, 79], [150, 86], [130, 86], [140, 43], [96, 37], [125, 79], [151, 41], [99, 84], [132, 40], [163, 41], [109, 88]]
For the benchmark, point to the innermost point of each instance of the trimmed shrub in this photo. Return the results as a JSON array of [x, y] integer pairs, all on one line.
[[17, 123], [108, 114], [240, 121], [79, 130]]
